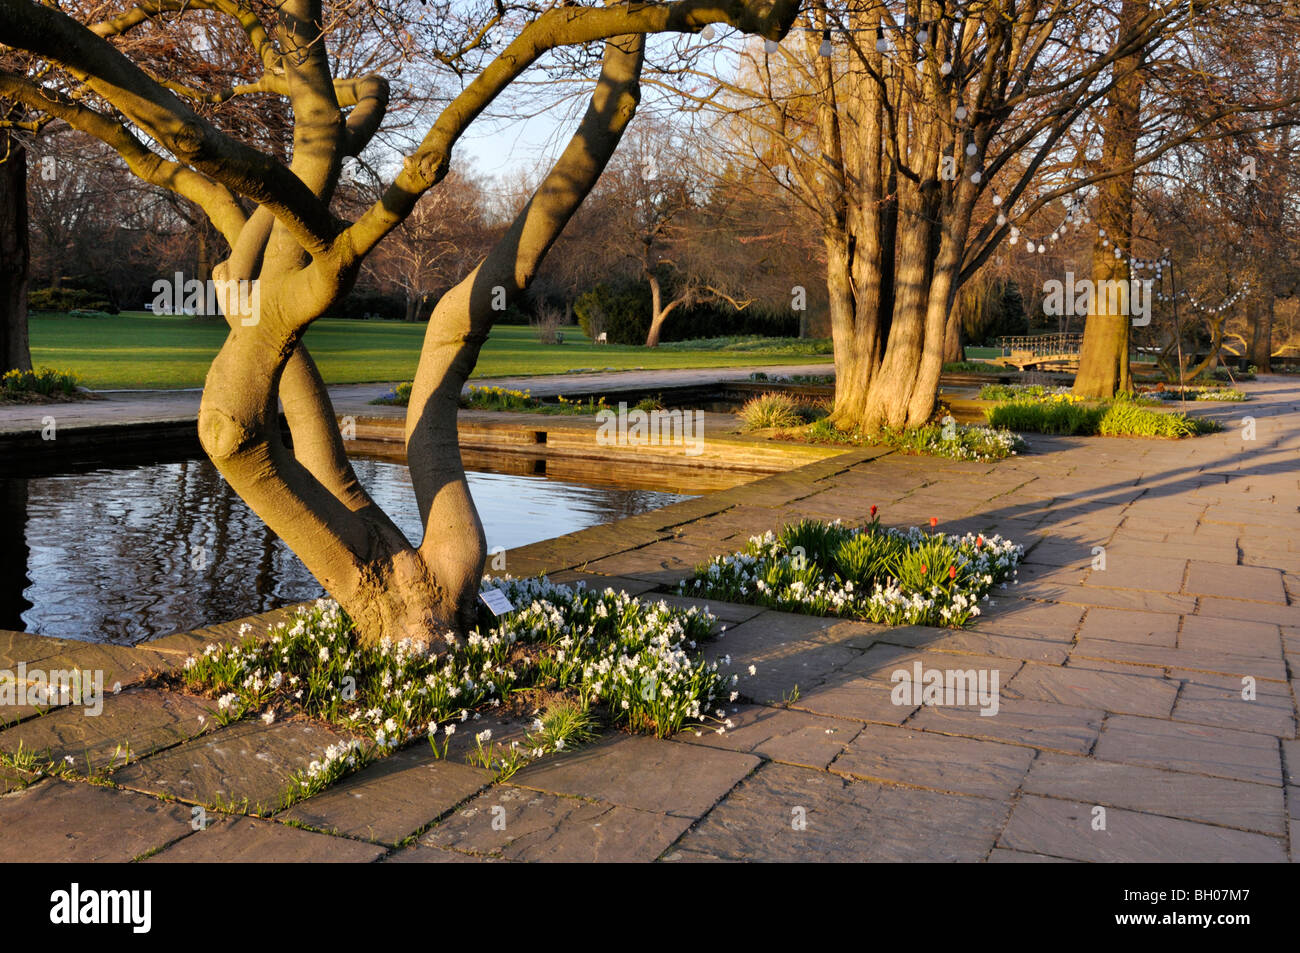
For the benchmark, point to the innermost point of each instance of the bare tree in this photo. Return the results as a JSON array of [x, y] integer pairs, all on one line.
[[304, 258]]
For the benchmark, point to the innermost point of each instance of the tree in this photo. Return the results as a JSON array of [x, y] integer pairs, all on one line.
[[439, 241], [304, 258], [15, 256], [923, 135]]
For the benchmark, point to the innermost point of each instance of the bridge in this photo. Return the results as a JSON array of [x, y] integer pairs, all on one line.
[[1041, 351]]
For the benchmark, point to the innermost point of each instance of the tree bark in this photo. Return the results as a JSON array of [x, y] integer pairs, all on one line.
[[1261, 338], [1104, 355], [15, 255]]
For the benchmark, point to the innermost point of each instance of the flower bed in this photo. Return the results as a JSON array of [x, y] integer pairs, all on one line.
[[626, 661], [945, 438], [896, 577]]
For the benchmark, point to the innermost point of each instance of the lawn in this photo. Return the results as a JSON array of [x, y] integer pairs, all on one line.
[[138, 349]]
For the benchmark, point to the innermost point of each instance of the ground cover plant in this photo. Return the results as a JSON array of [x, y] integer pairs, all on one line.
[[876, 573], [569, 657], [945, 438]]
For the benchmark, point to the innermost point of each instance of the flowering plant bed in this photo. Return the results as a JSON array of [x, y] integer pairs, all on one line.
[[897, 577], [570, 656]]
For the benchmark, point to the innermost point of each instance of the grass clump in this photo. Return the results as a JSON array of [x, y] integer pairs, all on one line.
[[770, 410], [896, 577], [593, 657], [972, 367]]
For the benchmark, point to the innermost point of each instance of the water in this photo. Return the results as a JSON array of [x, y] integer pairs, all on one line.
[[126, 554]]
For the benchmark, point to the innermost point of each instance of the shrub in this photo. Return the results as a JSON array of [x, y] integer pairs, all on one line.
[[69, 299]]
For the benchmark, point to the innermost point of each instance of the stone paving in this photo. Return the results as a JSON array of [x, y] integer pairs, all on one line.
[[1147, 661]]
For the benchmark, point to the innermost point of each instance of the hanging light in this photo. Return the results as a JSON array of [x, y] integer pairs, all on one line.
[[770, 46], [997, 200], [961, 112], [708, 32], [971, 149], [945, 68], [1002, 219], [975, 177], [825, 48]]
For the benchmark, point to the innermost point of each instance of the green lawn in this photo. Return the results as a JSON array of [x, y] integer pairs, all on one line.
[[137, 349]]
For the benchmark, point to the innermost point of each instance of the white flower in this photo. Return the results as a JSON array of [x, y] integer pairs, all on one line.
[[753, 670], [268, 716]]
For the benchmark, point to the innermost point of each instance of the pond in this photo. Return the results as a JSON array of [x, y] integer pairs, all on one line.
[[125, 554]]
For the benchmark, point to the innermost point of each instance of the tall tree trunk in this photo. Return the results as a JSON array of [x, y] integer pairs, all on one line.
[[1261, 338], [15, 256], [1104, 356], [657, 313]]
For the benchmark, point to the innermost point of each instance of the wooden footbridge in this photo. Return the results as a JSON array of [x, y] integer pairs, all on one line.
[[1040, 351]]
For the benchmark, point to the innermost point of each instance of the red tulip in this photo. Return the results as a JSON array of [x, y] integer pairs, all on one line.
[[952, 572], [934, 521], [979, 540], [924, 569], [873, 509]]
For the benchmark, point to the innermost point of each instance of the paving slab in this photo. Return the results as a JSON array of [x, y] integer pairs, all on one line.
[[393, 798], [855, 698], [524, 825], [1251, 583], [1081, 688], [937, 762], [1044, 725], [1197, 749], [245, 762], [242, 840], [57, 821], [1192, 797], [1063, 828], [130, 726], [643, 773], [1231, 636], [783, 813], [1218, 700], [779, 734]]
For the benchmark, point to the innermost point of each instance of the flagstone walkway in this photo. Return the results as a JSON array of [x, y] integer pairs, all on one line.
[[1147, 662]]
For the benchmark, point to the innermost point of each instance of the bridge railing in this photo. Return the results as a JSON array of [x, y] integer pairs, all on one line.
[[1041, 345]]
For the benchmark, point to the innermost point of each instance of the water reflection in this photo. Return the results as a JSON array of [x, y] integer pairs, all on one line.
[[126, 554]]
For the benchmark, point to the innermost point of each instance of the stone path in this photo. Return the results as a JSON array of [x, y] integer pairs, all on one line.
[[154, 406], [1147, 662]]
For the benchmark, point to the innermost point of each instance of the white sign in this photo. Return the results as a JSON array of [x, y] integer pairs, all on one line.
[[496, 600]]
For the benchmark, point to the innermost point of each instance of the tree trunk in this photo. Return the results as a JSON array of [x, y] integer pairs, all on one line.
[[657, 314], [1104, 358], [15, 257], [1261, 339]]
